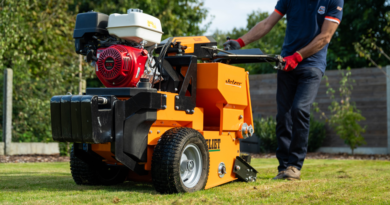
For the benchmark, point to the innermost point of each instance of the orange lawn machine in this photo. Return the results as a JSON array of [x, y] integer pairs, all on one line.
[[164, 117]]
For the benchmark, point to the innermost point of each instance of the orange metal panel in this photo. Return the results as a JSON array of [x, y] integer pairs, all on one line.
[[132, 176], [123, 98], [222, 148], [207, 76], [220, 107], [170, 118], [220, 84], [227, 80], [150, 150], [170, 114], [248, 110], [231, 83], [232, 119], [155, 133], [104, 150], [184, 70]]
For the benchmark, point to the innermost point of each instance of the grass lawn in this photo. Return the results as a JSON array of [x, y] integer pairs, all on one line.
[[324, 182]]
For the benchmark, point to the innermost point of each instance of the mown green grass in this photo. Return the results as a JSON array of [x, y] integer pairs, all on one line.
[[324, 182]]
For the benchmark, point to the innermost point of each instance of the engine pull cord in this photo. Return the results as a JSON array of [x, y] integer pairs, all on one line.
[[157, 64], [154, 74], [160, 77]]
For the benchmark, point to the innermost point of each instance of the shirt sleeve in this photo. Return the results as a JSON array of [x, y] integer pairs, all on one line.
[[335, 11], [281, 7]]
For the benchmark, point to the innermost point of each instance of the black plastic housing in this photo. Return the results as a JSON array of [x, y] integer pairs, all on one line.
[[87, 25], [80, 118], [90, 23]]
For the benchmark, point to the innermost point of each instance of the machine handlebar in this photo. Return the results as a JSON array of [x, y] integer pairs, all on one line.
[[248, 58]]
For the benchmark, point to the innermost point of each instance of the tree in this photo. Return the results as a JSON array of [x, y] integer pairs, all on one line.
[[360, 18], [345, 117], [36, 42], [269, 44]]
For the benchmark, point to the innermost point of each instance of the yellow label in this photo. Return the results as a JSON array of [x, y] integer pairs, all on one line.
[[151, 24]]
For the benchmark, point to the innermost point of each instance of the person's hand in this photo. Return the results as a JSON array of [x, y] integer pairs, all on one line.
[[292, 61], [233, 44]]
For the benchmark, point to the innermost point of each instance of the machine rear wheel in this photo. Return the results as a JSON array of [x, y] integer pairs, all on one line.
[[85, 174], [180, 162]]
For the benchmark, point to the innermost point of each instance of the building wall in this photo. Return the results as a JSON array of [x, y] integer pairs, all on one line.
[[32, 148]]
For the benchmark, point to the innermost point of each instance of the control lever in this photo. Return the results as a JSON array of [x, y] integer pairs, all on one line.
[[228, 46], [280, 64]]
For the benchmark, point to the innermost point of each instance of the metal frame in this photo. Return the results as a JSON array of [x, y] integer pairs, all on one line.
[[244, 171]]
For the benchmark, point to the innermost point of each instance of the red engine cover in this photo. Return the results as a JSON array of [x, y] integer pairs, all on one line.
[[120, 66]]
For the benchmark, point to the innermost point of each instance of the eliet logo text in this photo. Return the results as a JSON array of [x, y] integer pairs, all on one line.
[[233, 83]]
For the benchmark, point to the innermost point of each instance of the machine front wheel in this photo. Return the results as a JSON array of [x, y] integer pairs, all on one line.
[[85, 174], [180, 162]]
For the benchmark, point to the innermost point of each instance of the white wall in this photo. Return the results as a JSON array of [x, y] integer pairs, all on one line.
[[26, 148]]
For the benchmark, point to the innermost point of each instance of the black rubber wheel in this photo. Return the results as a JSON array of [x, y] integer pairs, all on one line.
[[173, 170], [85, 174]]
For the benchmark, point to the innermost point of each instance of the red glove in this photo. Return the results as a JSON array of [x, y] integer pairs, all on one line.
[[292, 61], [241, 42]]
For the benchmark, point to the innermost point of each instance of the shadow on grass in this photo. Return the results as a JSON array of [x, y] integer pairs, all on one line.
[[31, 181], [59, 181], [265, 177], [4, 174]]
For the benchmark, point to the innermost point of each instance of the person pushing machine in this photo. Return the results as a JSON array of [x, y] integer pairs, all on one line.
[[310, 27]]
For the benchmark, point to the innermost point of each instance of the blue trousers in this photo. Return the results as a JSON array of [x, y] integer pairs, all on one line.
[[296, 92]]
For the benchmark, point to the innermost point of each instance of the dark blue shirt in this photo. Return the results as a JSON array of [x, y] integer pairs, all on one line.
[[304, 23]]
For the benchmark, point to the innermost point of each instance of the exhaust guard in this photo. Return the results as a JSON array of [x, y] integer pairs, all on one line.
[[82, 119]]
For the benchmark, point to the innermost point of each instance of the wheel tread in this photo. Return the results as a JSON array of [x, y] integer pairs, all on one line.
[[166, 153], [82, 173], [85, 174]]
